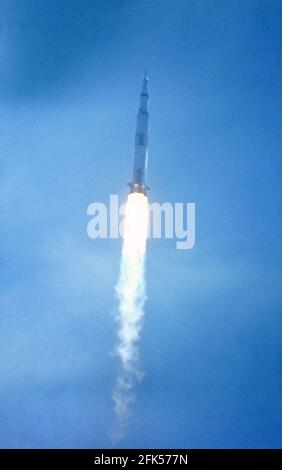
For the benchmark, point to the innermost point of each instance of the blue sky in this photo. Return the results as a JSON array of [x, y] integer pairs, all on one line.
[[70, 77]]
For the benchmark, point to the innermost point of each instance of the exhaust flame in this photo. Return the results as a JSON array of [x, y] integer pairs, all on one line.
[[131, 296]]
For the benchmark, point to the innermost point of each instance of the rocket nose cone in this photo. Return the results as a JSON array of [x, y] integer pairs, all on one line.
[[145, 86]]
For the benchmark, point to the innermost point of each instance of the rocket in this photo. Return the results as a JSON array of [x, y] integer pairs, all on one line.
[[138, 183]]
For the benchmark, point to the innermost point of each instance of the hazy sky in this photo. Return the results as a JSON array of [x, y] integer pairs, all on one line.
[[71, 73]]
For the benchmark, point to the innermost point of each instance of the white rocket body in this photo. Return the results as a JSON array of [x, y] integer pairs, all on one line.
[[138, 183]]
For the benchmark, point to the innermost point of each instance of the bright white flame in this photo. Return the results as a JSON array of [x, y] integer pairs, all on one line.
[[135, 226], [131, 295]]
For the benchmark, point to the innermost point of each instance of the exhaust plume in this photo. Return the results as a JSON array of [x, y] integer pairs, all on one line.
[[131, 295]]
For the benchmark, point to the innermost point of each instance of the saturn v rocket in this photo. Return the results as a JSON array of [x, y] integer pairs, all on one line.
[[138, 183]]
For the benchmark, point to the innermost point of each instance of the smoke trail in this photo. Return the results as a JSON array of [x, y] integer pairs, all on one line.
[[131, 296]]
